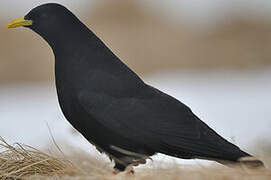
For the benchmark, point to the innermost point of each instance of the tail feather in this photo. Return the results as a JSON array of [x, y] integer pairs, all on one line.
[[248, 162]]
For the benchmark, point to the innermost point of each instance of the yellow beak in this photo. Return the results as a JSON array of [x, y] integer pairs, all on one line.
[[19, 22]]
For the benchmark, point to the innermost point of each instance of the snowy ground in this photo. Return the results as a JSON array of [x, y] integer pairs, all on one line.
[[236, 104]]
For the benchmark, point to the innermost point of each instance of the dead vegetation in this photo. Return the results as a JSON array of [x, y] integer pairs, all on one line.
[[20, 161], [25, 162]]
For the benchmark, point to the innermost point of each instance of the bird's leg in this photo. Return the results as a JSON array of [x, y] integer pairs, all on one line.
[[118, 168], [115, 172], [130, 170]]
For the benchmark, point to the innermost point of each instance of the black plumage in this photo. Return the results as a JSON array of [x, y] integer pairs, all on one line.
[[112, 107]]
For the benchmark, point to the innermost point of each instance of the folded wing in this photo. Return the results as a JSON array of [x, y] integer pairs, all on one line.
[[160, 122]]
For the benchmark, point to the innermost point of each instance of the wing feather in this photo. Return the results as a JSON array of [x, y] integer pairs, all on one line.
[[160, 122]]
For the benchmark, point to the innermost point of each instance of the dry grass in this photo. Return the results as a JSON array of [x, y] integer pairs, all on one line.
[[24, 162]]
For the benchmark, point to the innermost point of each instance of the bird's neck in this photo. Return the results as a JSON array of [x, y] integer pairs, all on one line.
[[79, 54], [68, 41]]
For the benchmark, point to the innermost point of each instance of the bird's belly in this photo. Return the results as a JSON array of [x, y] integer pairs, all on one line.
[[105, 140]]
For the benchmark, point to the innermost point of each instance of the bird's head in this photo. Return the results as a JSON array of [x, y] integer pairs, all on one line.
[[50, 21], [42, 17]]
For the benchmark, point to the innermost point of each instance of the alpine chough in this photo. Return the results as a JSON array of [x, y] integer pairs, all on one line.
[[112, 107]]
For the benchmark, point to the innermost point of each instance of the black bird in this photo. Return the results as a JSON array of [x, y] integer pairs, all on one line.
[[112, 107]]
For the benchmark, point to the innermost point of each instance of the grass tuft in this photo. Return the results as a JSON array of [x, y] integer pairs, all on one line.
[[22, 161]]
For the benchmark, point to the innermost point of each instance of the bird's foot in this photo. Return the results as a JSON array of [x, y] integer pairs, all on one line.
[[115, 172], [130, 172]]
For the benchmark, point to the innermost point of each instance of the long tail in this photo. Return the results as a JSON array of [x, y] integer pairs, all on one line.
[[250, 162], [247, 161]]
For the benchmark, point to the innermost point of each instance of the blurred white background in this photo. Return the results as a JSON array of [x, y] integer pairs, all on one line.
[[228, 89]]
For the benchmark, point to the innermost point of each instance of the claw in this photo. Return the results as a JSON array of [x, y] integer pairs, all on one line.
[[131, 172], [115, 172]]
